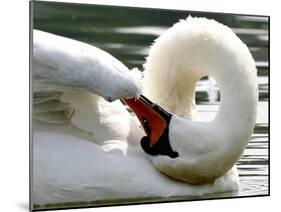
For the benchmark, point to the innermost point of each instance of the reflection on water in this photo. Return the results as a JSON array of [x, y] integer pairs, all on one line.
[[127, 34]]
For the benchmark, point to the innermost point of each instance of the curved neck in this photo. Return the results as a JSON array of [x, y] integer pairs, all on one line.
[[214, 50], [185, 53], [237, 112]]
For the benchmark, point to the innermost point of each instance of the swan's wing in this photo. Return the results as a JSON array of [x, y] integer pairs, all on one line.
[[48, 108], [66, 75], [63, 63]]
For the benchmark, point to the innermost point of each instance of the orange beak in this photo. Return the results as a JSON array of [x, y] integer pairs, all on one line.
[[152, 117], [155, 121]]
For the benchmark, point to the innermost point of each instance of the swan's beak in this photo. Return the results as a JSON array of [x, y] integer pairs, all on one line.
[[155, 121]]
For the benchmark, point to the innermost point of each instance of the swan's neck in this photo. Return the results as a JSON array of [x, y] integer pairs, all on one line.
[[179, 58], [237, 111], [174, 93]]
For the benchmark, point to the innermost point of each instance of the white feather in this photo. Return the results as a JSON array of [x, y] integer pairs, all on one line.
[[67, 63]]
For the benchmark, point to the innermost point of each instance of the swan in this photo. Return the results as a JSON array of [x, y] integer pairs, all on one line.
[[88, 147]]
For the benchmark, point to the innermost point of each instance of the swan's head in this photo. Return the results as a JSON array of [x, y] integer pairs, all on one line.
[[155, 121], [169, 147]]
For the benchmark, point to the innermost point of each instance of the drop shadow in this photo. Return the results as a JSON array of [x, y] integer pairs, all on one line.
[[23, 206]]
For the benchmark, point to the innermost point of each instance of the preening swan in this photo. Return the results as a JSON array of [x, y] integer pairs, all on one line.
[[86, 148]]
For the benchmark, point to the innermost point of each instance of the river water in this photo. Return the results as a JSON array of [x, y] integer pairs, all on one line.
[[127, 33]]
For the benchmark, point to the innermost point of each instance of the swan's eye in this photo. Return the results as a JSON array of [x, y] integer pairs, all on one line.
[[146, 126]]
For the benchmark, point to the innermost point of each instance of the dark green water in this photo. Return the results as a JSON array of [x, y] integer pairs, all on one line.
[[127, 33]]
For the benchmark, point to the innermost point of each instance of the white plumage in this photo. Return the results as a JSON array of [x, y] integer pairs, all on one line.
[[57, 60], [86, 148]]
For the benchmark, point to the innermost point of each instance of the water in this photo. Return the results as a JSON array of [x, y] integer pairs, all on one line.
[[127, 33]]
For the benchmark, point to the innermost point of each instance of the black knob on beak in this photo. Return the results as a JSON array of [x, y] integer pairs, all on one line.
[[161, 147]]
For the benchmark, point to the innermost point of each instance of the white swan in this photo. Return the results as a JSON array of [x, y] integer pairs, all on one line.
[[87, 149]]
